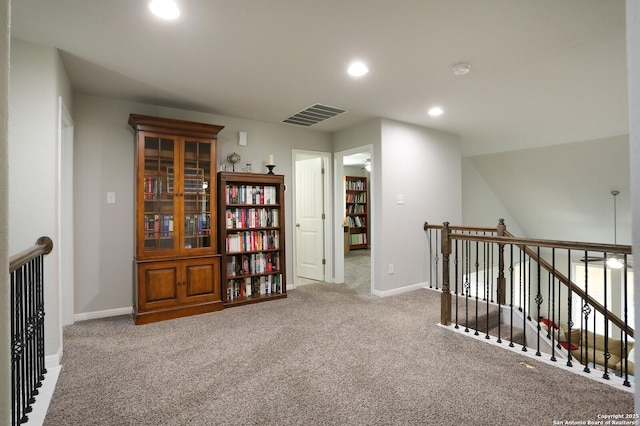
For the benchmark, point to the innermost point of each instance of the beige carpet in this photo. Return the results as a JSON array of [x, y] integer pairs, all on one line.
[[325, 355]]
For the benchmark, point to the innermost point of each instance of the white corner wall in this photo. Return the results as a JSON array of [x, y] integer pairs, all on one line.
[[423, 167], [633, 72], [104, 162], [37, 80]]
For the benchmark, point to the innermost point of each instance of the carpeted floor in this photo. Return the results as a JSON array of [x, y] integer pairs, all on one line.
[[357, 271], [325, 355]]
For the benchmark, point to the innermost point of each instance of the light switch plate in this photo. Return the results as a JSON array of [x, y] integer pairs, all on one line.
[[111, 197]]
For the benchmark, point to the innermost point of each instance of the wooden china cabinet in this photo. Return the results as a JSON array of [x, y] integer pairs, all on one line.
[[177, 261]]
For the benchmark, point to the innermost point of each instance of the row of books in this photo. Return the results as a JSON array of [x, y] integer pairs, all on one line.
[[153, 187], [256, 263], [357, 239], [356, 209], [161, 225], [356, 185], [158, 225], [156, 186], [357, 198], [251, 218], [356, 221], [251, 194], [252, 241], [254, 286]]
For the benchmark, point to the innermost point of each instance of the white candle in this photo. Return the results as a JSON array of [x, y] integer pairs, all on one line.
[[270, 160]]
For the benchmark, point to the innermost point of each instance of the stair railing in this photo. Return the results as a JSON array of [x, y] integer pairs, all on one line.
[[26, 271], [532, 282]]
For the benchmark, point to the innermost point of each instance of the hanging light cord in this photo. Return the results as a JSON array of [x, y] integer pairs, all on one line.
[[615, 217]]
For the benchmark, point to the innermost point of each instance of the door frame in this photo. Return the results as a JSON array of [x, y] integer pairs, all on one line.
[[328, 223], [338, 249]]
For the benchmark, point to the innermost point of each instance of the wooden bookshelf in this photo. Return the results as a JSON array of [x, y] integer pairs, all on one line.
[[357, 211], [176, 262], [252, 237]]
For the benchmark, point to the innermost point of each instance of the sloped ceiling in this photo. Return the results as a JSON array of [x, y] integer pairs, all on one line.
[[563, 192]]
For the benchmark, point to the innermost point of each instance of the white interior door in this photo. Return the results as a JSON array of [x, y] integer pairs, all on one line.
[[309, 219]]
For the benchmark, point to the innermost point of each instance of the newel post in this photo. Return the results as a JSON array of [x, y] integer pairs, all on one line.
[[502, 283], [445, 298]]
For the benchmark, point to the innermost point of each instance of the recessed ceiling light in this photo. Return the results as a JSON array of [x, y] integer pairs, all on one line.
[[165, 9], [357, 69], [435, 111], [461, 69]]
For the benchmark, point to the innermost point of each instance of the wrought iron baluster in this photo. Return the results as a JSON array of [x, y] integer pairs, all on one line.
[[552, 290], [539, 299], [486, 285], [455, 262], [529, 288], [523, 273], [586, 310], [429, 232], [607, 353], [511, 270], [438, 258], [625, 359], [467, 284], [569, 311], [477, 264]]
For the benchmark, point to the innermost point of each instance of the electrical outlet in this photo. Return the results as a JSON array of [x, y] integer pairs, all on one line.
[[390, 268]]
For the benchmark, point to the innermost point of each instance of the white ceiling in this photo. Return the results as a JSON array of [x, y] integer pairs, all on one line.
[[544, 71]]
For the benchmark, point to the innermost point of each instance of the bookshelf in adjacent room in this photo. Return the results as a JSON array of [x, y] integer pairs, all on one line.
[[357, 211], [252, 240]]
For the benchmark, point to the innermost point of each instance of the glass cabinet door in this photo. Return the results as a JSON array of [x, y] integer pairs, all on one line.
[[197, 190], [158, 193]]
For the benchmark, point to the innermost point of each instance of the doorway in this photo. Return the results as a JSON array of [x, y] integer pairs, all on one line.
[[354, 210], [312, 228]]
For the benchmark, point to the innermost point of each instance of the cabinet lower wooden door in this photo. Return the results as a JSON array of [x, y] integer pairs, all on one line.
[[201, 281], [173, 289]]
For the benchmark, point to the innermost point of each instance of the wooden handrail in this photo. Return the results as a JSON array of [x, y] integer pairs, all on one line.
[[571, 245], [461, 228], [44, 245]]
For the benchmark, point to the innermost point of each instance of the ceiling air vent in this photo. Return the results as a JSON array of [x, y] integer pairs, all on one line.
[[313, 115]]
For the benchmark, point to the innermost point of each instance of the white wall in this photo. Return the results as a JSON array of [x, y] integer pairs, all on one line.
[[103, 157], [424, 167], [5, 297], [480, 204], [37, 80], [633, 58]]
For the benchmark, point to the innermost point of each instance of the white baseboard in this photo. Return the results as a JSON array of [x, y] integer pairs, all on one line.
[[40, 407], [53, 360], [103, 314], [400, 290]]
